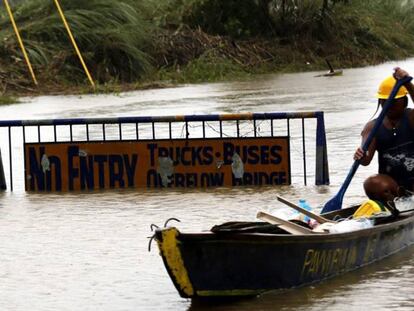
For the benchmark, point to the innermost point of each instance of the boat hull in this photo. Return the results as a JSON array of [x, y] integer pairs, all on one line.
[[331, 74], [234, 264]]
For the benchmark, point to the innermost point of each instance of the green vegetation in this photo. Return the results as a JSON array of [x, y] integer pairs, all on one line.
[[129, 44], [206, 68], [112, 35], [6, 100]]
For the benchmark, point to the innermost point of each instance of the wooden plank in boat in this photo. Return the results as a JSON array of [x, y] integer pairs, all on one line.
[[283, 224]]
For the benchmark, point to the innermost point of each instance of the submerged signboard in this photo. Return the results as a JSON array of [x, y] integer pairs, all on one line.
[[157, 163]]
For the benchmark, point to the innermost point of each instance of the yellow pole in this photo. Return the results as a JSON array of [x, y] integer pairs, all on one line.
[[74, 43], [16, 30]]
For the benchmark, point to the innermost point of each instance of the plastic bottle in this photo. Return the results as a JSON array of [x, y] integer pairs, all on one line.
[[306, 206]]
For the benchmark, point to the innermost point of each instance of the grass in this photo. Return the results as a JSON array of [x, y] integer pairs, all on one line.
[[207, 68], [121, 41], [7, 100], [115, 37]]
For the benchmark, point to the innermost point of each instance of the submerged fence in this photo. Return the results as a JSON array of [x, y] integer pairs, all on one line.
[[163, 151]]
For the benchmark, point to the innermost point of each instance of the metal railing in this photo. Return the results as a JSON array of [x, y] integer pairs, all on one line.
[[170, 127]]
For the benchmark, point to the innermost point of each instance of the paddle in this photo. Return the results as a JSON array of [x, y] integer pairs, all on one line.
[[336, 202]]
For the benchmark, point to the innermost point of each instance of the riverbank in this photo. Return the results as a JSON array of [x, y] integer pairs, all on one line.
[[181, 43]]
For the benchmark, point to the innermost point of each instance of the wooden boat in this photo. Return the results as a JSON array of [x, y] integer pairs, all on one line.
[[331, 74], [247, 259]]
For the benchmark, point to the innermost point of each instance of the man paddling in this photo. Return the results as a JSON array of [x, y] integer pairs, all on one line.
[[394, 140]]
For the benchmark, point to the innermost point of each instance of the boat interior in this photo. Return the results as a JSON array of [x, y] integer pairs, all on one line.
[[268, 228]]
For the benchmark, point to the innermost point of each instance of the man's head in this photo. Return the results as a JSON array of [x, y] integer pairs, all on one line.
[[396, 110], [381, 188], [386, 86], [400, 100]]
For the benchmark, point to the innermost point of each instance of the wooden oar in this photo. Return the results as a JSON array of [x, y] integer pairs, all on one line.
[[317, 217], [283, 224], [336, 202]]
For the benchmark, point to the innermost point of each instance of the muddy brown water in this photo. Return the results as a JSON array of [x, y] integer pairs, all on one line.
[[88, 250]]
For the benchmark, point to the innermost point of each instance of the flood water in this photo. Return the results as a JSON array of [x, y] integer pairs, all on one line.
[[89, 250]]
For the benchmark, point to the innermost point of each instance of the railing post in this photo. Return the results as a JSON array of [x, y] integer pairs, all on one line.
[[321, 167], [3, 185]]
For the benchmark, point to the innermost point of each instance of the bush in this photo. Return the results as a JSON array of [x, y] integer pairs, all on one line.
[[115, 37], [238, 19]]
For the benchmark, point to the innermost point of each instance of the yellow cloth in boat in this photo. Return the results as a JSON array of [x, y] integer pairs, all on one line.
[[369, 208]]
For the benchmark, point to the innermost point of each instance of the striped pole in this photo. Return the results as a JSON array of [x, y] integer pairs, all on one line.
[[19, 39], [72, 39]]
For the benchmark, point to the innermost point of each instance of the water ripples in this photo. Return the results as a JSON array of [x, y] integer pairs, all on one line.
[[88, 250]]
